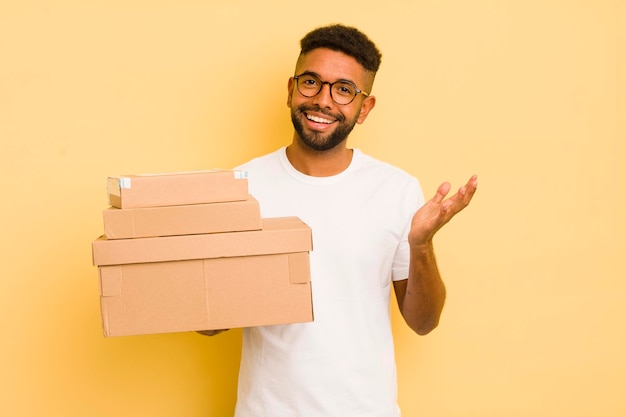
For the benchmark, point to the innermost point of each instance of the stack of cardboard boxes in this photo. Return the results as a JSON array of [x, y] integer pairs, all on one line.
[[189, 251]]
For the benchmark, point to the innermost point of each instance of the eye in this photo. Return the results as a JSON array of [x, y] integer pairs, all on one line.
[[309, 81], [345, 89]]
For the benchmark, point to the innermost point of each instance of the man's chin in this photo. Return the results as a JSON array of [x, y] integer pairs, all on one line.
[[321, 144], [317, 140]]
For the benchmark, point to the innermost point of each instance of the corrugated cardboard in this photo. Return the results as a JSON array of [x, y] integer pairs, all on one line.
[[231, 216], [206, 281], [278, 235], [205, 294], [173, 189]]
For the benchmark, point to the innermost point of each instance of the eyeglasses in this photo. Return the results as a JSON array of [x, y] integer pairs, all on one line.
[[342, 92]]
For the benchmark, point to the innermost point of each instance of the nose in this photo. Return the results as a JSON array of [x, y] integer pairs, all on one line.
[[324, 97]]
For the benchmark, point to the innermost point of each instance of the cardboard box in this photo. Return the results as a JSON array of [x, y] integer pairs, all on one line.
[[206, 281], [231, 216], [207, 294], [173, 189], [278, 235]]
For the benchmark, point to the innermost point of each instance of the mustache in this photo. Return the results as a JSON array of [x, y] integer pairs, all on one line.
[[305, 108]]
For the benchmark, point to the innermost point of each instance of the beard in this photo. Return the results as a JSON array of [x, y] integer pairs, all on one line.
[[321, 141]]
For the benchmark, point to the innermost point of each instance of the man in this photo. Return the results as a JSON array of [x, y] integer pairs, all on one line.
[[370, 227]]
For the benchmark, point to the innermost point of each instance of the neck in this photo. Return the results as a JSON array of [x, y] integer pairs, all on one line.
[[319, 163]]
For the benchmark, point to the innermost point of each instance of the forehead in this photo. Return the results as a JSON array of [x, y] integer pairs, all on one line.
[[332, 66]]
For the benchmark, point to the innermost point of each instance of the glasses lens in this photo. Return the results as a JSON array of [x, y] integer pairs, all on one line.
[[309, 85], [343, 93]]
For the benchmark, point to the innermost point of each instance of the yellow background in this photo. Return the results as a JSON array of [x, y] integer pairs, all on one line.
[[530, 95]]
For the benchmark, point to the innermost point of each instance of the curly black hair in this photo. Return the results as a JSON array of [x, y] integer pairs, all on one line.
[[344, 39]]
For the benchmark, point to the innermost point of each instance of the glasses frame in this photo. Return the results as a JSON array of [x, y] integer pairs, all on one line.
[[330, 87]]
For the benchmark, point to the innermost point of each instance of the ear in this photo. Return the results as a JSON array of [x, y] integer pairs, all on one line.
[[367, 106], [290, 86]]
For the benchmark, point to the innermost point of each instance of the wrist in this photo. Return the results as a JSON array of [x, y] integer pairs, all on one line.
[[422, 247]]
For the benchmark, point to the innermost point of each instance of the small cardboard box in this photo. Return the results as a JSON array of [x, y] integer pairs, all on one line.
[[221, 293], [232, 216], [278, 235], [180, 188]]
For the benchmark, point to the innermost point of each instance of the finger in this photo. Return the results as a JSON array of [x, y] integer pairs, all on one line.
[[472, 184], [442, 192], [460, 200], [470, 189], [467, 191]]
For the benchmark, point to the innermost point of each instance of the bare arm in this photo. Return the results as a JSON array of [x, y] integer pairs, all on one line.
[[421, 297]]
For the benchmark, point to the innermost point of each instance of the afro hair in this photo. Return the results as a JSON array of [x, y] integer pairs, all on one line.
[[344, 39]]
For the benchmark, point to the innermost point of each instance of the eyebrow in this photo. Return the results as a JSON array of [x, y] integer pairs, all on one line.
[[341, 80]]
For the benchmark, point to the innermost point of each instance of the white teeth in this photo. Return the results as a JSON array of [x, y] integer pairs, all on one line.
[[318, 119]]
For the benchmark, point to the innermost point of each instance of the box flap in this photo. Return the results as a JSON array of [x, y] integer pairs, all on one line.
[[299, 268], [110, 281]]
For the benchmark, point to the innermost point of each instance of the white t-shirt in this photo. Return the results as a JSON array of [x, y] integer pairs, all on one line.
[[342, 364]]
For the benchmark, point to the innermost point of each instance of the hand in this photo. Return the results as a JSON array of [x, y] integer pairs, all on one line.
[[211, 332], [437, 212]]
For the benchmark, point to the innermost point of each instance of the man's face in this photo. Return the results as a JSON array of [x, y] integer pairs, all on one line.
[[319, 122]]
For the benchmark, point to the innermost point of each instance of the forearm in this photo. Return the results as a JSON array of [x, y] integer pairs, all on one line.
[[424, 295]]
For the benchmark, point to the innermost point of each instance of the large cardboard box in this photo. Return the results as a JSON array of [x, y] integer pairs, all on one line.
[[180, 188], [207, 281], [205, 294], [230, 216], [278, 235]]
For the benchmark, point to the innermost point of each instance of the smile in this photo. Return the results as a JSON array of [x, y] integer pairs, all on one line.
[[317, 119]]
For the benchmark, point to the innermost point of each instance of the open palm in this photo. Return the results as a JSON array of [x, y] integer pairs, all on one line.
[[438, 211]]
